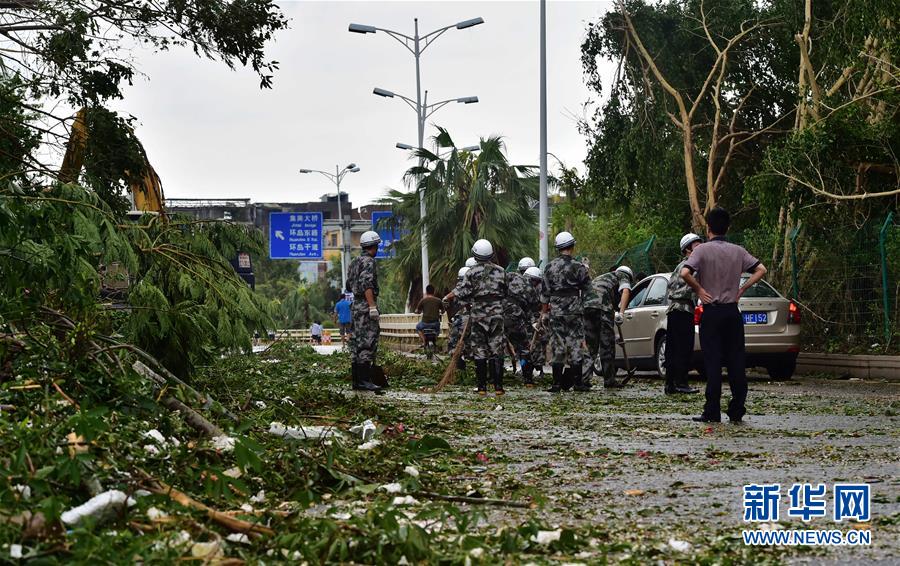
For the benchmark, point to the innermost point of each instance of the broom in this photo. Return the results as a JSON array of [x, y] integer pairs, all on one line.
[[450, 372]]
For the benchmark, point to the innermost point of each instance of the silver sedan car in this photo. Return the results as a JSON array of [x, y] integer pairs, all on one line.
[[771, 328]]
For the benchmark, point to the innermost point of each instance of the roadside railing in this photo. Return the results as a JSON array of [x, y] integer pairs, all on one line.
[[398, 331]]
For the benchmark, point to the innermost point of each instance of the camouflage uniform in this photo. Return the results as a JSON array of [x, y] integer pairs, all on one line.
[[538, 354], [484, 287], [679, 330], [517, 315], [458, 324], [363, 275], [565, 281], [599, 319]]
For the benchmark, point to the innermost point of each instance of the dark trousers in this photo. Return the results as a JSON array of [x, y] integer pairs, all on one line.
[[679, 347], [722, 342]]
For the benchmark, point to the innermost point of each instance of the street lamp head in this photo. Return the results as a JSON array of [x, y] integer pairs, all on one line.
[[468, 23], [350, 166], [382, 92], [305, 171], [468, 99], [404, 146], [471, 148], [355, 169], [360, 28]]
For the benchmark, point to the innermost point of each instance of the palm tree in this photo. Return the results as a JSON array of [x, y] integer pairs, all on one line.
[[468, 196]]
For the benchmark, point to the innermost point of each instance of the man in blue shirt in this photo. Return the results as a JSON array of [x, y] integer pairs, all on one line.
[[343, 318]]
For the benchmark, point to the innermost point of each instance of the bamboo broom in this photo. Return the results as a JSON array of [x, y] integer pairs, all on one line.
[[450, 373]]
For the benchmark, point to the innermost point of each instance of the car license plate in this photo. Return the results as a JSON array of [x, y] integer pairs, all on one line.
[[756, 318]]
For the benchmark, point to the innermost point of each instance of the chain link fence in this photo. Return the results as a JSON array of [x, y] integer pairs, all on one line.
[[848, 290]]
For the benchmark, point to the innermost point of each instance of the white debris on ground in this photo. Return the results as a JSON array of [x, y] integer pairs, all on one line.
[[546, 537], [369, 445], [24, 491], [404, 500], [240, 538], [15, 551], [391, 488], [224, 443], [260, 497], [366, 429], [97, 508], [302, 432], [411, 471], [155, 514], [679, 545]]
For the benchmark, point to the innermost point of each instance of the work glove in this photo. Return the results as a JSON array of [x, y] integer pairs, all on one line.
[[619, 318], [373, 313]]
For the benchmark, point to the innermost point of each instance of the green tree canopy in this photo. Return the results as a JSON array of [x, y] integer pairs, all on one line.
[[467, 196]]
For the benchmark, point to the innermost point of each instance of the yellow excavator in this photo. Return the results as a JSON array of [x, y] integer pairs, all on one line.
[[146, 193]]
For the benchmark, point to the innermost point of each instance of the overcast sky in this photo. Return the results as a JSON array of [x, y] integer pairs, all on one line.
[[211, 132]]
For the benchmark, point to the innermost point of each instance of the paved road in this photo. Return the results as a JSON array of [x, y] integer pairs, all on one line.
[[632, 460]]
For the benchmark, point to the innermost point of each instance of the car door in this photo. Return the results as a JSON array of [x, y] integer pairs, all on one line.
[[630, 329], [644, 319]]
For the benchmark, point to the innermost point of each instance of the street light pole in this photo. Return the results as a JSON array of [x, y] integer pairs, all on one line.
[[543, 211], [336, 178], [416, 45]]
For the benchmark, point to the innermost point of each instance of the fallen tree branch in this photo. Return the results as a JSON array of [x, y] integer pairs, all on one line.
[[191, 417], [473, 500], [231, 523]]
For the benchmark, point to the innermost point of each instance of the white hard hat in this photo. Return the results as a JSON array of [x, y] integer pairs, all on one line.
[[534, 272], [525, 263], [564, 240], [462, 271], [483, 250], [471, 262], [369, 239], [625, 269], [688, 239]]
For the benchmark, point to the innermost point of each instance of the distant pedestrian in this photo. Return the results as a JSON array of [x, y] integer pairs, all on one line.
[[431, 308], [566, 281], [714, 272], [343, 317], [680, 323], [362, 280], [315, 332]]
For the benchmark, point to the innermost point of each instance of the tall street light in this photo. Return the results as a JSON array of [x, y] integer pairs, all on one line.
[[416, 44], [469, 148], [543, 210], [336, 178]]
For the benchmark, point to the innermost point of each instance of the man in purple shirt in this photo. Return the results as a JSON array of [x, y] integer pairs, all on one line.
[[714, 272]]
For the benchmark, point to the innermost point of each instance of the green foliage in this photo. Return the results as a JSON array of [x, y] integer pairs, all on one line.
[[468, 196]]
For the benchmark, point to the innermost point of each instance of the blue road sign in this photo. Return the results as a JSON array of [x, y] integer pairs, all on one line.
[[387, 233], [295, 235]]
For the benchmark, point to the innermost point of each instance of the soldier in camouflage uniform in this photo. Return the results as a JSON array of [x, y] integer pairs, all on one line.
[[519, 303], [362, 281], [565, 282], [484, 288], [458, 322], [537, 335], [680, 324], [603, 309]]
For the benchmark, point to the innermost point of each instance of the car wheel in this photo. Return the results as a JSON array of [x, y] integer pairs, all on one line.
[[661, 356], [783, 371]]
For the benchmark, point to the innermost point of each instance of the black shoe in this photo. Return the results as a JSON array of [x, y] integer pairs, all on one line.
[[685, 389], [354, 376], [736, 416], [496, 369], [568, 379], [557, 379], [670, 389], [705, 419], [481, 372], [582, 381], [364, 379]]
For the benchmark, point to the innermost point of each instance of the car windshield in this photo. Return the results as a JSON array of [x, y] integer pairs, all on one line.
[[761, 290]]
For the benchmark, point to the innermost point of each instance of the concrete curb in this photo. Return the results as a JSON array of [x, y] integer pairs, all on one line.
[[862, 366]]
